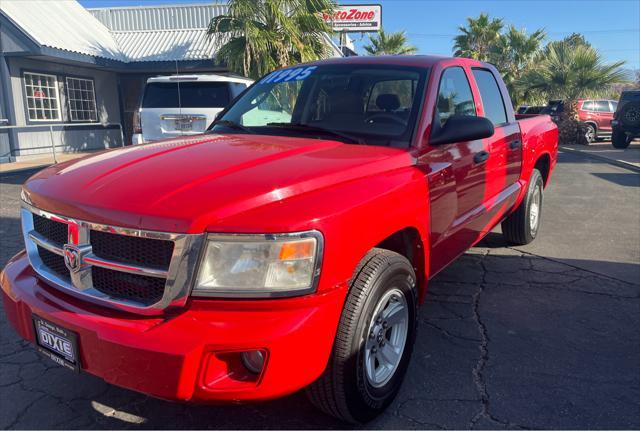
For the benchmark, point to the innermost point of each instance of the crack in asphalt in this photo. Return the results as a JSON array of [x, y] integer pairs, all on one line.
[[449, 334], [478, 370]]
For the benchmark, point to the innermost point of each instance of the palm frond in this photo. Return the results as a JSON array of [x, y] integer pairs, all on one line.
[[267, 34], [384, 43]]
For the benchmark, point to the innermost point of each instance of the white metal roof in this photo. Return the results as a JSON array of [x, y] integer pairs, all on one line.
[[166, 45], [62, 25], [127, 34], [164, 17]]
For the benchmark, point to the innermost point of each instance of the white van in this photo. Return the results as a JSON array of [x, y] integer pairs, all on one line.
[[179, 105]]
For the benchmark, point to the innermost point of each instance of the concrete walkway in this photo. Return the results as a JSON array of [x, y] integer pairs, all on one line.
[[628, 158], [40, 162]]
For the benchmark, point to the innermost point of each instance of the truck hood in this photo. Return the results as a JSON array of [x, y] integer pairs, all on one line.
[[190, 184]]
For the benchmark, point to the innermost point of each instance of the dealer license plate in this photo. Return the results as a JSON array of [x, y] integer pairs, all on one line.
[[57, 343]]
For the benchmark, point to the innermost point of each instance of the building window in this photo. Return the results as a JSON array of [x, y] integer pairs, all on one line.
[[43, 103], [82, 99]]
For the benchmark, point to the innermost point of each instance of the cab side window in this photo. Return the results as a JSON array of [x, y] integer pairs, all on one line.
[[454, 95], [492, 100]]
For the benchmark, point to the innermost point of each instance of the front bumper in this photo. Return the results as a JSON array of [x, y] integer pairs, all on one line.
[[178, 357]]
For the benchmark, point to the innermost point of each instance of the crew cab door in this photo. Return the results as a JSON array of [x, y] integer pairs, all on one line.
[[456, 174], [505, 148]]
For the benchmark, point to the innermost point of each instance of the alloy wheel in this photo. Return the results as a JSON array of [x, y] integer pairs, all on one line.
[[386, 337]]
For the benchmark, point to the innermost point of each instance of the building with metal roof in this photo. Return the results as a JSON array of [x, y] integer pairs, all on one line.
[[89, 66]]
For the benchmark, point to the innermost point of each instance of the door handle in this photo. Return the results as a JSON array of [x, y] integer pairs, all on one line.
[[480, 157], [514, 145]]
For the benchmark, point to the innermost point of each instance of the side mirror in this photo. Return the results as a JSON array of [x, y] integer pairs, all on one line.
[[461, 128]]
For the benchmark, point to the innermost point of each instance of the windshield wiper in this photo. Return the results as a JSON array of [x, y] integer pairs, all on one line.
[[232, 125], [311, 129]]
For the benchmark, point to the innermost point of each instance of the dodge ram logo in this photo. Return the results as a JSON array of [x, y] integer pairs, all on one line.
[[72, 257]]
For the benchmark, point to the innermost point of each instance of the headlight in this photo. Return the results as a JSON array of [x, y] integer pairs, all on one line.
[[24, 195], [260, 265]]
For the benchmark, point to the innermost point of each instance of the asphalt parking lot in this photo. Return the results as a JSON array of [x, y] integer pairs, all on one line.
[[542, 336]]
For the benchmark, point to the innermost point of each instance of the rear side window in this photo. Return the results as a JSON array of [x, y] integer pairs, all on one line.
[[492, 100], [192, 95], [601, 106], [454, 95], [588, 106]]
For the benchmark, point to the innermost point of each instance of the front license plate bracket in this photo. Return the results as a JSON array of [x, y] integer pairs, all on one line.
[[57, 343]]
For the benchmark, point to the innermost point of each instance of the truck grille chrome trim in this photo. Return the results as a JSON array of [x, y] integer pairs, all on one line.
[[136, 295], [45, 243]]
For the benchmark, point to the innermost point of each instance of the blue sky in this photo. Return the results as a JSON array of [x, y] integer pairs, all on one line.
[[611, 26]]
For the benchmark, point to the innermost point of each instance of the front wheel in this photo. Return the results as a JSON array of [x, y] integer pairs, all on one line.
[[374, 341], [522, 226]]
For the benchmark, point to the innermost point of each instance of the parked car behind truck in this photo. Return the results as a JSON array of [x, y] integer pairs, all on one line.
[[178, 105], [285, 254], [595, 116]]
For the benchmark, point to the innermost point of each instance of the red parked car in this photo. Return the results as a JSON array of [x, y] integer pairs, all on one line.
[[596, 116], [289, 246]]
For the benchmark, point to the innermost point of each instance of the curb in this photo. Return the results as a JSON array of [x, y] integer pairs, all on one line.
[[619, 163]]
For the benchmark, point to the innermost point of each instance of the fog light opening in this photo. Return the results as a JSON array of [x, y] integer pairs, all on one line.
[[253, 360]]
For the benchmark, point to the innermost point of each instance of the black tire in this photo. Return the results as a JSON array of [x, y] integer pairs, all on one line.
[[517, 229], [619, 139], [589, 134], [344, 390]]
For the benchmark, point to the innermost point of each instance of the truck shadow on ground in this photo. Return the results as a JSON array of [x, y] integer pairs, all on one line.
[[503, 336]]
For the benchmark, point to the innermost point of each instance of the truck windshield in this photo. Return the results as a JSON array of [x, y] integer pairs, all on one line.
[[192, 95], [363, 103]]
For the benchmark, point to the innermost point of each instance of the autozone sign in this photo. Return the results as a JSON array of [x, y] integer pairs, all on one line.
[[357, 17]]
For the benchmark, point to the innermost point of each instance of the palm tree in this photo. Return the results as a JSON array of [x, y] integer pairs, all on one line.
[[389, 44], [568, 71], [477, 38], [261, 36], [513, 53]]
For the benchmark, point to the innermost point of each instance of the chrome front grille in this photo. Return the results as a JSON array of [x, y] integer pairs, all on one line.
[[127, 269]]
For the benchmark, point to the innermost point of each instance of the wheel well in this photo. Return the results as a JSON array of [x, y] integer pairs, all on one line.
[[407, 242], [595, 125], [543, 165]]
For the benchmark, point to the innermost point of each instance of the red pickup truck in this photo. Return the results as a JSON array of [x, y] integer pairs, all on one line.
[[287, 247]]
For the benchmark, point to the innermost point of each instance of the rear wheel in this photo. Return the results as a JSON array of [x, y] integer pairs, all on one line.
[[374, 341], [522, 226], [619, 139]]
